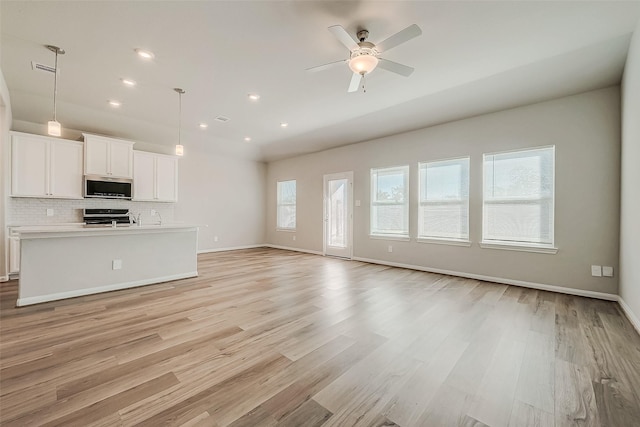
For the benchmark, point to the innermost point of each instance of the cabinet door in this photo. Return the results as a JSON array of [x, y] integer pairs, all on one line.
[[66, 169], [143, 176], [29, 166], [167, 179], [14, 254], [121, 158], [96, 155]]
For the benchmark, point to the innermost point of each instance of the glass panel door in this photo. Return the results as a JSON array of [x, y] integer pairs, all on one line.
[[337, 214]]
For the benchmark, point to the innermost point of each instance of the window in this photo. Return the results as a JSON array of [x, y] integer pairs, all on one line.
[[390, 202], [519, 197], [444, 200], [286, 205]]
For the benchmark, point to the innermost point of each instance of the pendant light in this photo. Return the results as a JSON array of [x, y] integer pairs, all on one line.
[[179, 146], [53, 126]]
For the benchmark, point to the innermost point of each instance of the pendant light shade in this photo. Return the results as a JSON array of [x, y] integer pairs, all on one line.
[[179, 146], [53, 126]]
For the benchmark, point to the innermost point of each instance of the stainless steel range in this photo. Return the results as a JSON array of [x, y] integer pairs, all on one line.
[[103, 217]]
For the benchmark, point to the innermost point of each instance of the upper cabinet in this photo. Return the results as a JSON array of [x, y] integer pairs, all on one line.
[[42, 166], [155, 177], [108, 156]]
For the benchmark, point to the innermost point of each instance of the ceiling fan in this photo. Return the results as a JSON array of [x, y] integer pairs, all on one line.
[[364, 55]]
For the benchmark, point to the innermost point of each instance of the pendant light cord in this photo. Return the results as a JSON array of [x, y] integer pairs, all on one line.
[[179, 118], [55, 87]]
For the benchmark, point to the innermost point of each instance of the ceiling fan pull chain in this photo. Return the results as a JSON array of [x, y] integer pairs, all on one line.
[[364, 89]]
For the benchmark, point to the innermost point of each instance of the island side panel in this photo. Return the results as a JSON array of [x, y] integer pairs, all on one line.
[[58, 267]]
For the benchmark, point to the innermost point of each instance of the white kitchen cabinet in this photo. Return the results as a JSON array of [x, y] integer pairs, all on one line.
[[108, 156], [47, 167], [14, 254], [155, 177]]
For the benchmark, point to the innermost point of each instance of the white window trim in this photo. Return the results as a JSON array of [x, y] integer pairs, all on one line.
[[443, 241], [288, 229], [423, 238], [520, 247], [399, 236], [549, 248]]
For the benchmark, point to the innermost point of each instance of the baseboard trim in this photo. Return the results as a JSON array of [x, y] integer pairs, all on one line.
[[4, 278], [233, 248], [630, 314], [100, 289], [287, 248], [521, 283]]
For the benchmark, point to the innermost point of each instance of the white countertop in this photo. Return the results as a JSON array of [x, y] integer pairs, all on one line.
[[46, 231]]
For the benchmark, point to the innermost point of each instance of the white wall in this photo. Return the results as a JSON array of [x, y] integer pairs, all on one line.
[[585, 129], [630, 177], [5, 124], [226, 194]]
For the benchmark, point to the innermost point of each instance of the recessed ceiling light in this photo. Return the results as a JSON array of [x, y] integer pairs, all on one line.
[[128, 82], [145, 54], [114, 103], [284, 125], [253, 96], [203, 125], [247, 139]]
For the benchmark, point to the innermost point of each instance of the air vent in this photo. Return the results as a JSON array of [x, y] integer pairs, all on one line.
[[41, 67], [222, 119]]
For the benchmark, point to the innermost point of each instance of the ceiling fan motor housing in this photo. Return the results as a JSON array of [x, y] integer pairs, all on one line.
[[365, 48]]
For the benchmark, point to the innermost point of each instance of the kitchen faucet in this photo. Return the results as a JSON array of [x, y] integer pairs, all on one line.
[[133, 218], [159, 216]]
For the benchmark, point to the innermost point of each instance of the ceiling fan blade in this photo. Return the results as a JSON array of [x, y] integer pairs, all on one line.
[[325, 66], [398, 38], [355, 82], [344, 37], [394, 67]]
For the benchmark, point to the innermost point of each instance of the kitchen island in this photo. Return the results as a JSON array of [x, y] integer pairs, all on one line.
[[70, 261]]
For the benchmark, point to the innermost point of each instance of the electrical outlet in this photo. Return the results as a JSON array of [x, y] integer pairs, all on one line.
[[153, 212], [390, 248], [215, 238], [293, 237], [49, 212], [607, 271], [596, 271], [116, 264]]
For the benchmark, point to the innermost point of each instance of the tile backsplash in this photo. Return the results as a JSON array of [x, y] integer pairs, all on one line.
[[33, 211]]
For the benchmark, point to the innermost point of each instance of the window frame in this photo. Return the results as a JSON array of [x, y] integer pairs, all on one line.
[[424, 238], [279, 204], [373, 202], [518, 245]]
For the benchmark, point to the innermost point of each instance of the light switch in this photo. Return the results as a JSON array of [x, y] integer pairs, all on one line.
[[357, 202], [390, 248], [596, 271], [607, 271], [49, 212]]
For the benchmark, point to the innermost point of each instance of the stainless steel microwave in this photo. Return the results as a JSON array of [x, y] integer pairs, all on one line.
[[107, 188]]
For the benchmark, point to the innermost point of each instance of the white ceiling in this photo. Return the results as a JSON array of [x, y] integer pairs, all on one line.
[[472, 58]]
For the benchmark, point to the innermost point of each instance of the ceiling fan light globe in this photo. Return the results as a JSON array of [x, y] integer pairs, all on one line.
[[363, 64]]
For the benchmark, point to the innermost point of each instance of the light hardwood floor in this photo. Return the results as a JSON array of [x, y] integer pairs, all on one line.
[[266, 337]]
